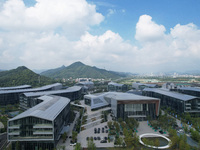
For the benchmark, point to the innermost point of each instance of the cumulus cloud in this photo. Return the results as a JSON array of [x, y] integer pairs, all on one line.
[[73, 17], [177, 50], [147, 30]]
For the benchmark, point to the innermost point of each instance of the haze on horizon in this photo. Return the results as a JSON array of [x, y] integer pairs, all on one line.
[[132, 36]]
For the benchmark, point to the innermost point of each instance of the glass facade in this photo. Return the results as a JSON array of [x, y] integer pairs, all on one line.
[[137, 111], [34, 133], [180, 106], [117, 88]]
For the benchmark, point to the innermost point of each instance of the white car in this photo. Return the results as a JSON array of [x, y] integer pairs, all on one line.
[[72, 144]]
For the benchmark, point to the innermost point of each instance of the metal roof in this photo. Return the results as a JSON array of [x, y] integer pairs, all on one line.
[[31, 90], [68, 90], [85, 82], [197, 89], [127, 96], [166, 92], [145, 84], [15, 87], [98, 101], [115, 84], [49, 109]]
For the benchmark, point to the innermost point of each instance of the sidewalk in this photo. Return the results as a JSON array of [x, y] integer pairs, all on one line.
[[67, 142]]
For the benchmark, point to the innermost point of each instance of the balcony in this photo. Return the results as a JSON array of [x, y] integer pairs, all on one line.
[[42, 126], [43, 133], [13, 133], [187, 104], [14, 127]]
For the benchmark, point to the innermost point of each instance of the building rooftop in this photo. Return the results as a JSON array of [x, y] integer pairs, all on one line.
[[31, 90], [166, 92], [85, 82], [145, 84], [127, 96], [100, 100], [197, 89], [49, 109], [15, 87], [68, 90], [115, 84]]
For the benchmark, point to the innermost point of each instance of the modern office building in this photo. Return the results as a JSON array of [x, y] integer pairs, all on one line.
[[116, 87], [96, 101], [40, 126], [125, 105], [28, 100], [177, 101], [88, 84], [12, 96], [174, 86], [16, 87], [194, 91], [141, 86]]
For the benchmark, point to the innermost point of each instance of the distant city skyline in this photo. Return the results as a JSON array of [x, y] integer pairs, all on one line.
[[137, 36]]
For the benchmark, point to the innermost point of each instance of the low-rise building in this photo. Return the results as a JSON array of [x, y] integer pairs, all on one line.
[[28, 100], [141, 86], [88, 84], [194, 91], [12, 96], [179, 102], [40, 126], [116, 87], [16, 87], [125, 105]]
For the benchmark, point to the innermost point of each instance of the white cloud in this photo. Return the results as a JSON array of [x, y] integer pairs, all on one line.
[[147, 30], [73, 17], [111, 12]]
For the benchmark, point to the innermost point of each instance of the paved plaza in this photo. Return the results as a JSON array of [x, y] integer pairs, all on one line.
[[144, 128]]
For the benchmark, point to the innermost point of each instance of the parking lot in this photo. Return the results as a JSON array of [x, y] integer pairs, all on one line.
[[99, 136]]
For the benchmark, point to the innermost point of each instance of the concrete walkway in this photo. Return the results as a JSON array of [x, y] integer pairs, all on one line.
[[144, 128], [67, 142]]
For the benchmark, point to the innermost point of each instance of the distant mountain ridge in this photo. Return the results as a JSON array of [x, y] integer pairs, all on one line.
[[80, 70], [22, 75]]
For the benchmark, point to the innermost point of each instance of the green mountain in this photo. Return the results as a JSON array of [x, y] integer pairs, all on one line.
[[80, 70], [21, 76]]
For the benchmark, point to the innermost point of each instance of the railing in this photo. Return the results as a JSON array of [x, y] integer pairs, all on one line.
[[43, 126]]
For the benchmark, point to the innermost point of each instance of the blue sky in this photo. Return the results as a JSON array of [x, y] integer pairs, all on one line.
[[121, 35], [166, 12]]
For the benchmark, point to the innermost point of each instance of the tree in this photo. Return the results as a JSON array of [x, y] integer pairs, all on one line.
[[109, 123], [120, 120], [64, 136], [74, 135], [91, 145], [78, 146]]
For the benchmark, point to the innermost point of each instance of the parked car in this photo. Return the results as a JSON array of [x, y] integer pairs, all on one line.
[[106, 131], [106, 127], [161, 132], [87, 138], [95, 138], [103, 141], [72, 144], [98, 138], [105, 138]]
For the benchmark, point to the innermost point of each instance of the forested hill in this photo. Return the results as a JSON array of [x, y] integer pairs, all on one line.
[[80, 70], [21, 76]]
